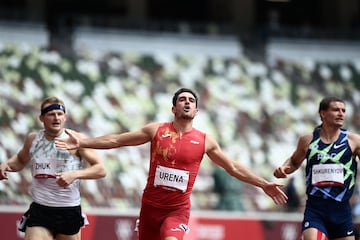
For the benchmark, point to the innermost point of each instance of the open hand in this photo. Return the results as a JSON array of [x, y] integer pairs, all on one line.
[[273, 190], [67, 143]]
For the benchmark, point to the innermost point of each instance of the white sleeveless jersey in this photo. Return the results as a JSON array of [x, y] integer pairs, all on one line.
[[46, 160]]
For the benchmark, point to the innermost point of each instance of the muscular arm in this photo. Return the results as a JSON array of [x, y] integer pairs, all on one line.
[[242, 173], [96, 168], [109, 141], [18, 161], [94, 171], [234, 168], [295, 160]]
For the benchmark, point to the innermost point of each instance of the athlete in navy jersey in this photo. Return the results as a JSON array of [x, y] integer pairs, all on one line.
[[338, 156], [330, 152]]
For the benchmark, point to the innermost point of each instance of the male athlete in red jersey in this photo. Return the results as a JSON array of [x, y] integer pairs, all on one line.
[[176, 153]]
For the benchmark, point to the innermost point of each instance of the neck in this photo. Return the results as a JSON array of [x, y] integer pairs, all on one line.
[[52, 135], [182, 126], [329, 135]]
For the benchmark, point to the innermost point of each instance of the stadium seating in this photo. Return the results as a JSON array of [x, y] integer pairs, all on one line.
[[255, 110]]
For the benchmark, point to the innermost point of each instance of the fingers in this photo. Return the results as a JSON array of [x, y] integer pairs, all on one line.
[[277, 195], [68, 132], [3, 173], [67, 143], [60, 144], [60, 181], [280, 185], [3, 176], [286, 169], [280, 172], [62, 184], [280, 198]]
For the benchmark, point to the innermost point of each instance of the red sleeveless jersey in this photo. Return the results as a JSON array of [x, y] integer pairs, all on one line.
[[174, 164]]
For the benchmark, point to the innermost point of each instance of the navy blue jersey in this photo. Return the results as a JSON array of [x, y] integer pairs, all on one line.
[[327, 161]]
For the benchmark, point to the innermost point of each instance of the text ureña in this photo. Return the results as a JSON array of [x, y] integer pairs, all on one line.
[[171, 177]]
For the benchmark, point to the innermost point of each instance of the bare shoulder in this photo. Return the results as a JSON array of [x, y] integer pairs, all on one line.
[[153, 125], [30, 137], [305, 139], [303, 142], [353, 136], [354, 141], [28, 141], [151, 128], [210, 143]]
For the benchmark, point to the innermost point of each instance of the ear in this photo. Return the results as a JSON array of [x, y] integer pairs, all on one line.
[[173, 109], [41, 118], [322, 114]]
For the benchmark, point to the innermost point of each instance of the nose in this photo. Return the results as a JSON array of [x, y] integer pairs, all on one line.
[[341, 114]]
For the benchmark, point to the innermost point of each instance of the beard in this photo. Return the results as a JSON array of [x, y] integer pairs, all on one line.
[[185, 116]]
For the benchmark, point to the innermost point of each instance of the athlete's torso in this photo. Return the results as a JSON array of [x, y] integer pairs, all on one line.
[[330, 168], [46, 160], [174, 164]]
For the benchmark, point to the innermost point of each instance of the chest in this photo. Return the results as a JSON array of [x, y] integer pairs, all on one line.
[[172, 148], [337, 152]]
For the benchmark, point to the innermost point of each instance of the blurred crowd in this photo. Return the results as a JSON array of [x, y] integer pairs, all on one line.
[[255, 110]]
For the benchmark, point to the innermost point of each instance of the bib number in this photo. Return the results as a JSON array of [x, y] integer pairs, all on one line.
[[171, 177], [44, 168], [327, 175]]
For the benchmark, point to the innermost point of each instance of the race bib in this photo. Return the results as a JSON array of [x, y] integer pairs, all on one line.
[[328, 175], [44, 168], [171, 177]]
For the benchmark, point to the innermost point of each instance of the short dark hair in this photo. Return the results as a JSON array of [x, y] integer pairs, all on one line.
[[181, 90], [325, 102]]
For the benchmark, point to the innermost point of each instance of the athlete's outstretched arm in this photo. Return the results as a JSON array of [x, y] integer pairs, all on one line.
[[242, 173], [108, 141]]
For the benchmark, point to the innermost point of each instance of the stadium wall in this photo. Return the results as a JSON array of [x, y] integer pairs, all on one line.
[[111, 224]]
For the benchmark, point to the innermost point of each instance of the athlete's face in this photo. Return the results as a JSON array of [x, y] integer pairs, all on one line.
[[335, 114], [185, 106], [53, 121]]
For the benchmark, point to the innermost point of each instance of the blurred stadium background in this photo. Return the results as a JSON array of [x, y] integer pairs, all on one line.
[[260, 68]]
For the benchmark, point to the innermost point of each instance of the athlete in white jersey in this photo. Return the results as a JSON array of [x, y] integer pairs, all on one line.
[[55, 212]]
